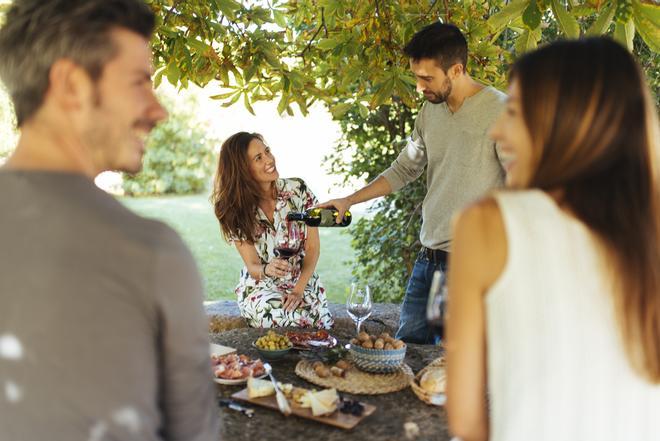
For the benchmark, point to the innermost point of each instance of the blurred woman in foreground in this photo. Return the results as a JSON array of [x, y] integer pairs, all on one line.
[[251, 203], [554, 288]]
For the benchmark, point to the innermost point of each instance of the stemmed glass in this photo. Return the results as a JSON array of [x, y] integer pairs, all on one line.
[[358, 304], [288, 242], [437, 303]]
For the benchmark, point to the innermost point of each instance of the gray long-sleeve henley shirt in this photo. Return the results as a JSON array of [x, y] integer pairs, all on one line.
[[463, 164]]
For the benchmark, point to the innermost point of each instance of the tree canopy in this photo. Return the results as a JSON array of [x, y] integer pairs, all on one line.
[[347, 53]]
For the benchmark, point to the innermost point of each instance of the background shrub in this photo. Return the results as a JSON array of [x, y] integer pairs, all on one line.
[[179, 157]]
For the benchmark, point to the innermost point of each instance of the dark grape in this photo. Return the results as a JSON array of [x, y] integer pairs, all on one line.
[[354, 407]]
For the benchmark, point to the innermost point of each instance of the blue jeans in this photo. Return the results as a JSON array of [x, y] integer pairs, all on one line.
[[412, 320]]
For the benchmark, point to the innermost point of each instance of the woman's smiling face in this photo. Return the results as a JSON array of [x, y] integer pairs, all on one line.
[[515, 142], [261, 162]]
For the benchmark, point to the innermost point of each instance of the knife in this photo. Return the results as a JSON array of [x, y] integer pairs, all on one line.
[[282, 403], [233, 405]]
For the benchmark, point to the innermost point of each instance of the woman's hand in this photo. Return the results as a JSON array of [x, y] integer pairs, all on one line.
[[277, 268], [291, 301]]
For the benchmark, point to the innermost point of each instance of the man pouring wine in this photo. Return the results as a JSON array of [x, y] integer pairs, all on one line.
[[450, 140]]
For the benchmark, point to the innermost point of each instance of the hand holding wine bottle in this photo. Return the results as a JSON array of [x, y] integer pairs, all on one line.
[[342, 205], [321, 217]]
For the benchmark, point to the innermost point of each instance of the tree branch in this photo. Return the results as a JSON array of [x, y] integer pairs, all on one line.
[[447, 12], [311, 40]]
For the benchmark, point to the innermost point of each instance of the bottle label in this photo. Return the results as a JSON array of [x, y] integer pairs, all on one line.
[[328, 218]]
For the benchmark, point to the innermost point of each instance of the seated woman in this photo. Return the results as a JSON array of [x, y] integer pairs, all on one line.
[[251, 204], [554, 288]]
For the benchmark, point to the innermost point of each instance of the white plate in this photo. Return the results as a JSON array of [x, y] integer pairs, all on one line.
[[220, 350], [233, 382]]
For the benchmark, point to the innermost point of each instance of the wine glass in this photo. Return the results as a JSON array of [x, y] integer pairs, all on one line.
[[437, 303], [358, 304], [288, 242]]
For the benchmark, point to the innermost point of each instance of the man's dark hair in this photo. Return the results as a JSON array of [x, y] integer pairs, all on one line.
[[37, 33], [442, 42]]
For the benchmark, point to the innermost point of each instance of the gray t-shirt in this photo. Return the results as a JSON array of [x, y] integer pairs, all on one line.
[[103, 335], [463, 164]]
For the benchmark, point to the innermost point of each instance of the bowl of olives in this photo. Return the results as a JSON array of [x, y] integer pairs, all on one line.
[[272, 346]]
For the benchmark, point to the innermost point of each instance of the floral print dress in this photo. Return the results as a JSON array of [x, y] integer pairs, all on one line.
[[260, 302]]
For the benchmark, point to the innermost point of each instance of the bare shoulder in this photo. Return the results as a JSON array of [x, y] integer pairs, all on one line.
[[482, 217], [479, 233]]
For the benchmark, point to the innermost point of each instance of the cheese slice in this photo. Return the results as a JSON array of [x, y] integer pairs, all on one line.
[[323, 402], [259, 388]]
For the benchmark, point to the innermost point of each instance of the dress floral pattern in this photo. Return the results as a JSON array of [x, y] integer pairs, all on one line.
[[260, 302]]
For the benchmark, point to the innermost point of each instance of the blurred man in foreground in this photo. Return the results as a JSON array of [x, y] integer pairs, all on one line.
[[102, 329]]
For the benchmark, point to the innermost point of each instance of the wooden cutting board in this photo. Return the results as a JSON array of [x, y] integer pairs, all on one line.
[[337, 419], [220, 350]]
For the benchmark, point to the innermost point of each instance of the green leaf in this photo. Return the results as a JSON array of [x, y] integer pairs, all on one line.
[[383, 93], [327, 44], [279, 18], [173, 73], [223, 74], [527, 41], [339, 110], [364, 111], [271, 58], [281, 107], [624, 34], [499, 21], [222, 96], [602, 23], [650, 11], [198, 45], [158, 77], [249, 72], [228, 8], [646, 18], [567, 22], [532, 15], [246, 102], [233, 100]]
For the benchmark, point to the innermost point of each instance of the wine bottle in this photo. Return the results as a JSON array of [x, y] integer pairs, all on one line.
[[320, 217]]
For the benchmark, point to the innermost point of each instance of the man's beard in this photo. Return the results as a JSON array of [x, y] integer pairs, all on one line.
[[440, 97]]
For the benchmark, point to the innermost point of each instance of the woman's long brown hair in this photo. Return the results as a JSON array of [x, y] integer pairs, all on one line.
[[236, 195], [594, 132]]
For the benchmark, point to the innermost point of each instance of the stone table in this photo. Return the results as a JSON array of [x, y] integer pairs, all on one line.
[[385, 424]]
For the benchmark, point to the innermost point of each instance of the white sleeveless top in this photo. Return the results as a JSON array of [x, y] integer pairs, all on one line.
[[557, 369]]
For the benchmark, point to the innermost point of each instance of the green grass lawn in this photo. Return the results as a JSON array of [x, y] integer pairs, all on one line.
[[220, 263]]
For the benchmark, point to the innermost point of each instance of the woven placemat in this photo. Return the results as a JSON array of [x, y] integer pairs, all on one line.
[[357, 381]]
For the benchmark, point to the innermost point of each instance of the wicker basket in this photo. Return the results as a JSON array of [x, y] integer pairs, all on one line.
[[427, 397], [377, 361]]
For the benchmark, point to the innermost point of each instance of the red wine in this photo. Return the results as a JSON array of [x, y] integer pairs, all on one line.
[[284, 253]]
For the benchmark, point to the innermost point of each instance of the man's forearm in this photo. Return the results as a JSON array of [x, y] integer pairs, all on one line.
[[376, 188]]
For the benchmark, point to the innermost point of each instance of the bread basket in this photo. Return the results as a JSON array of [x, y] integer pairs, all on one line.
[[422, 394]]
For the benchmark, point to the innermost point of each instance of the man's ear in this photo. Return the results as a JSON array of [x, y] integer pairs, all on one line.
[[456, 71], [69, 85]]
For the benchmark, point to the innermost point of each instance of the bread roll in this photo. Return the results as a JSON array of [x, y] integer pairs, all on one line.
[[433, 381]]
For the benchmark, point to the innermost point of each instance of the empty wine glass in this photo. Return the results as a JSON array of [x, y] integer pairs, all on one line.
[[358, 304], [436, 305]]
